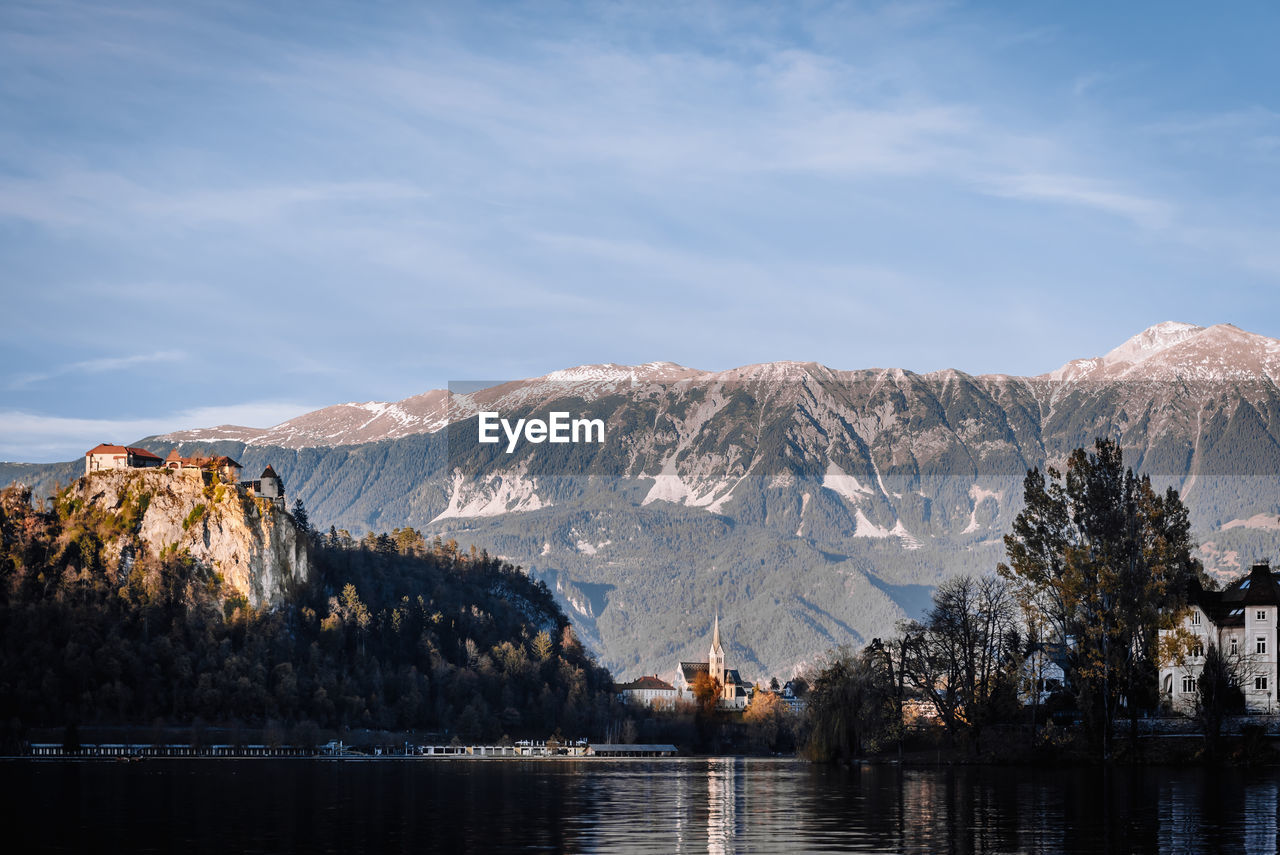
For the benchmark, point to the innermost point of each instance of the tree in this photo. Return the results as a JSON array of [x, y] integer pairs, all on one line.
[[964, 658], [542, 645], [850, 705], [706, 693], [1218, 693], [766, 718], [300, 518], [1103, 562]]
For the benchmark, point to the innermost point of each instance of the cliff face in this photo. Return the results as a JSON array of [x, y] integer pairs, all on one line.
[[255, 546]]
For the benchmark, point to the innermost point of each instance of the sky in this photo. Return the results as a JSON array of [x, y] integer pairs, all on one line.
[[237, 212]]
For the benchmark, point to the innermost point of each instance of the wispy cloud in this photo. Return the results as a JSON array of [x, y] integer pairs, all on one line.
[[376, 192], [1084, 192], [101, 365]]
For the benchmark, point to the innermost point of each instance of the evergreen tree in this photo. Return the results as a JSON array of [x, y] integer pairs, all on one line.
[[300, 518], [1104, 562]]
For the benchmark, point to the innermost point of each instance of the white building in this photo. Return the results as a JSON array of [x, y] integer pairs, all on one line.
[[1241, 621], [648, 691]]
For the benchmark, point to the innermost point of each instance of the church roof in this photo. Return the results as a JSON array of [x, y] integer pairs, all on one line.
[[690, 670], [647, 683]]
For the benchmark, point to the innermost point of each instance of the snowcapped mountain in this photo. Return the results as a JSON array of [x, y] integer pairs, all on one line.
[[816, 505], [1178, 351]]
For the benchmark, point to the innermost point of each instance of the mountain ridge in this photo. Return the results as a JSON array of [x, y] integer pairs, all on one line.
[[811, 506], [428, 412]]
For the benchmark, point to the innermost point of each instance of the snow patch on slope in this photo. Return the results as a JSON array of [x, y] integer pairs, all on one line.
[[979, 494], [498, 494], [838, 481]]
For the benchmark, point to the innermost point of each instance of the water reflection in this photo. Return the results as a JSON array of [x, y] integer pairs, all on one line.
[[719, 805]]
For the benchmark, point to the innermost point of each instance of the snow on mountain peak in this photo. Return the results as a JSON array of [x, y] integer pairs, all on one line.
[[1150, 341], [1186, 351]]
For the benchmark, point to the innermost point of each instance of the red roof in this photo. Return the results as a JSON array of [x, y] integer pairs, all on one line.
[[103, 448], [647, 683]]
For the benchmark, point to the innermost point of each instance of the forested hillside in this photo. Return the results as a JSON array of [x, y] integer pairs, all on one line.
[[391, 632]]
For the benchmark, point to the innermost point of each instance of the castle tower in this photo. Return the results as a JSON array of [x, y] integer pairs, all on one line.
[[715, 663]]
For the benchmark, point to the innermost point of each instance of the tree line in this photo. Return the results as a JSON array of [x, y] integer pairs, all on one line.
[[1098, 563]]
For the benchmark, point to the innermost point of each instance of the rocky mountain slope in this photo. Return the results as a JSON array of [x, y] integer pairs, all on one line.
[[810, 506]]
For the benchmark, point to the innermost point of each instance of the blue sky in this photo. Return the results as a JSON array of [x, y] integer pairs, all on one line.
[[237, 212]]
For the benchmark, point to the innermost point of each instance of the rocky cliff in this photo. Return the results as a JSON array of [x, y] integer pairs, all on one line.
[[251, 543]]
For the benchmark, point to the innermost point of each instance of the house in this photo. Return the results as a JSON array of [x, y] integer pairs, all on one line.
[[106, 456], [225, 467], [734, 691], [1240, 621], [1042, 672], [648, 691], [791, 697]]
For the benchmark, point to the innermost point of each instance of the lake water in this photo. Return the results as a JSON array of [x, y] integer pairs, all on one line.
[[698, 805]]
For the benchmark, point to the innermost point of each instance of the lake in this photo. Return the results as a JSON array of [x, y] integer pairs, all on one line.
[[689, 805]]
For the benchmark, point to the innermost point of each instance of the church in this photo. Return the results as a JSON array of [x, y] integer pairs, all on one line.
[[734, 692]]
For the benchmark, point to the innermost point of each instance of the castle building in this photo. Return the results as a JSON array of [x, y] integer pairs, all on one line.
[[104, 456], [224, 466], [733, 690], [1240, 621], [269, 485]]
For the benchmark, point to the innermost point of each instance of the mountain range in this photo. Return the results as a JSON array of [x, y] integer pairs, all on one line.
[[808, 506]]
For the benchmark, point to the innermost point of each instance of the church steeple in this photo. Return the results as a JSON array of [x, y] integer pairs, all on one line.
[[715, 663]]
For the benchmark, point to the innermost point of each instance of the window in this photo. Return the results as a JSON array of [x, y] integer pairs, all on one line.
[[1198, 649], [1235, 645], [1195, 618], [1262, 644], [1260, 684], [1188, 684], [1262, 614]]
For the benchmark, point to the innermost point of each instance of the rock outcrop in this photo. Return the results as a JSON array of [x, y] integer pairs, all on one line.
[[253, 544]]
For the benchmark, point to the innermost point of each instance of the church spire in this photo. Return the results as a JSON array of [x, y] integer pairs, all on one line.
[[715, 636]]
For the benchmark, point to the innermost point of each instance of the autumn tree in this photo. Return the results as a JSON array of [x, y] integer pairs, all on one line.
[[767, 719], [1103, 562]]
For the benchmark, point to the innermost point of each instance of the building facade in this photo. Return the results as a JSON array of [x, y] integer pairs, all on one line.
[[225, 467], [106, 456], [648, 691], [1240, 621]]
